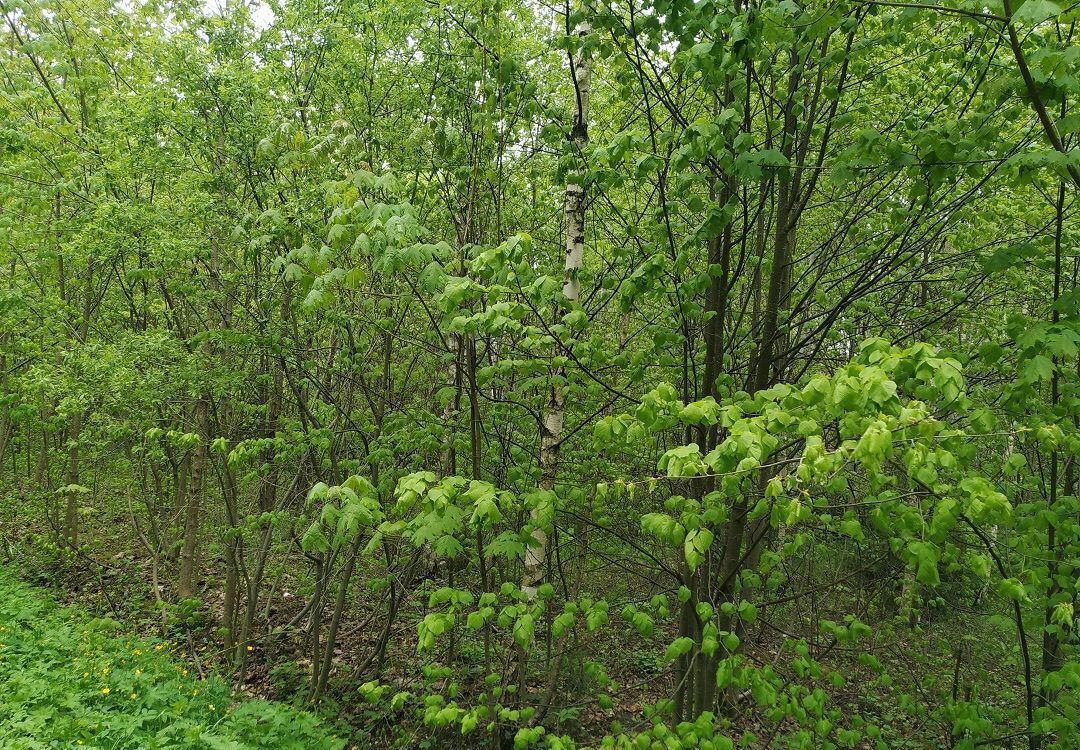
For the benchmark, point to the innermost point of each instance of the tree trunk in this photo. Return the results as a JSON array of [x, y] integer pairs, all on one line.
[[71, 510], [574, 208], [186, 586]]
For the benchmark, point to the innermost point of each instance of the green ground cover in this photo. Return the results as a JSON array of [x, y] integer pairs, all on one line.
[[68, 679]]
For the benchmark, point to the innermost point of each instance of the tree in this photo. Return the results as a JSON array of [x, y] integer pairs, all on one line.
[[619, 375]]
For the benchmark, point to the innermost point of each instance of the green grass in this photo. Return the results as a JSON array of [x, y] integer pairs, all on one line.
[[68, 680]]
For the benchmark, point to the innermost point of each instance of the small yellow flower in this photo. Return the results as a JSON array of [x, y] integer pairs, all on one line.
[[195, 691], [250, 648], [85, 675], [78, 742], [138, 672], [105, 691], [134, 696], [183, 672], [212, 707]]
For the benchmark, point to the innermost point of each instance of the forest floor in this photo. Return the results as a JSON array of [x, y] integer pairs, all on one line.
[[69, 679]]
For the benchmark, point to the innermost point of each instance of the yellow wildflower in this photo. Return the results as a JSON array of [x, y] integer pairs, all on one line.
[[105, 691]]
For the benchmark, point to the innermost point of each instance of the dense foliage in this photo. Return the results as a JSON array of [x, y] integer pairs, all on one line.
[[487, 373], [70, 680]]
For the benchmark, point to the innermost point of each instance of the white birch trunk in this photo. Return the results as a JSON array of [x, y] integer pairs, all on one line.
[[574, 207]]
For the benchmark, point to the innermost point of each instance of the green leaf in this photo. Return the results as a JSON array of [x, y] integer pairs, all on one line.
[[679, 647], [1038, 368], [852, 528], [449, 547], [523, 631], [1032, 12], [926, 557], [696, 546], [597, 616], [1012, 588], [314, 540]]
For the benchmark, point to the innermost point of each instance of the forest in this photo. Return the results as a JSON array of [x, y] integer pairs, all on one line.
[[626, 375]]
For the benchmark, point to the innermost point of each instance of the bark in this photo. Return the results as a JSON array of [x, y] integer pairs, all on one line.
[[233, 554], [71, 510], [574, 209], [1053, 656], [188, 552], [186, 585], [268, 486], [5, 410]]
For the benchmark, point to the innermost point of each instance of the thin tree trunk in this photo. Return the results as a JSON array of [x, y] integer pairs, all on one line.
[[71, 510], [574, 208], [186, 585], [1053, 657]]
